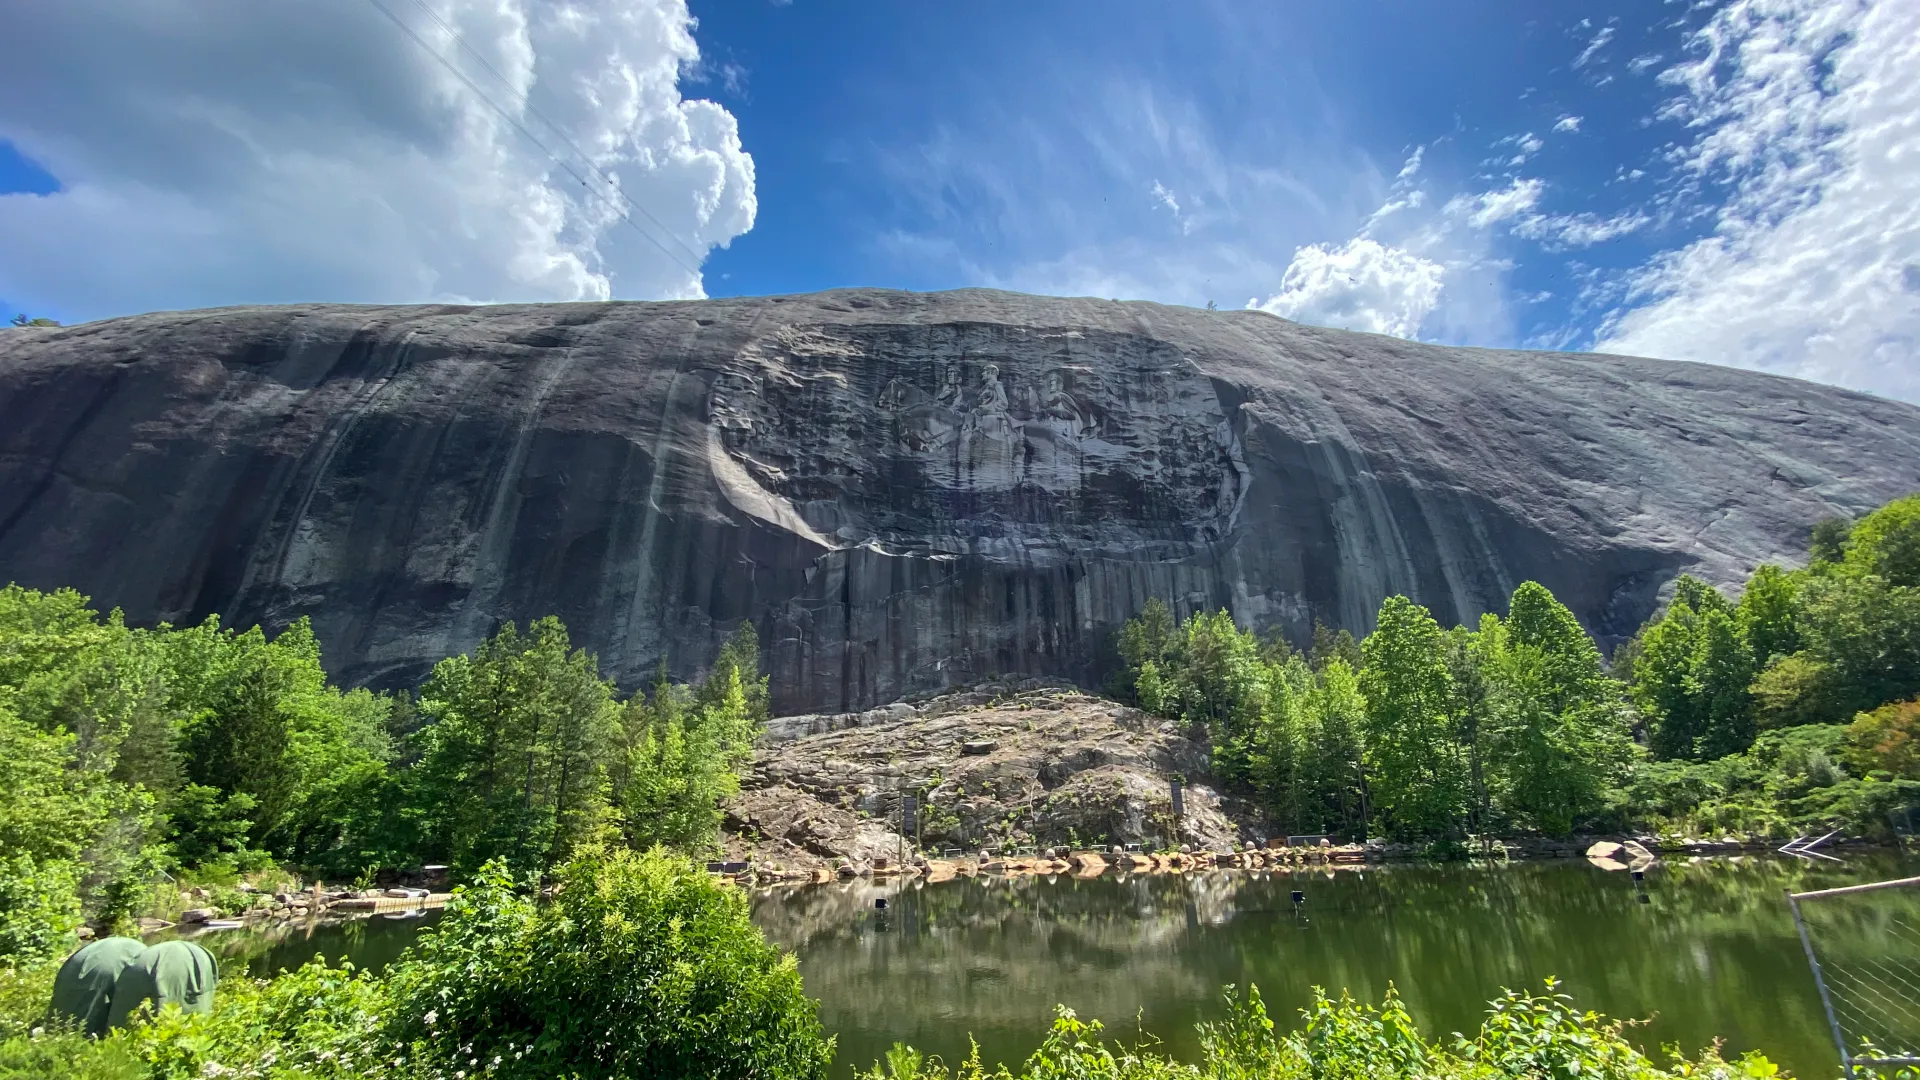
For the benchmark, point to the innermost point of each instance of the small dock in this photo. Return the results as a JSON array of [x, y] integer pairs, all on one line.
[[390, 903]]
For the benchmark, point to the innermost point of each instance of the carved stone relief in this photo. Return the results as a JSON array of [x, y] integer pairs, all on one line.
[[961, 437]]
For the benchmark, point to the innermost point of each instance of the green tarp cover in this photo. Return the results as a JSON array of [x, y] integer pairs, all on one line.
[[170, 973], [84, 985]]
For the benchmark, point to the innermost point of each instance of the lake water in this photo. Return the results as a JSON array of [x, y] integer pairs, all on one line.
[[1697, 950]]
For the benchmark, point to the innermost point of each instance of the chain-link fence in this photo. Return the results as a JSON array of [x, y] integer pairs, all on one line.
[[1863, 944]]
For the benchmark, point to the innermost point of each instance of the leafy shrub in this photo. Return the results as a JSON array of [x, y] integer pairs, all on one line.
[[1525, 1037], [38, 906], [1886, 740], [638, 966], [315, 1022]]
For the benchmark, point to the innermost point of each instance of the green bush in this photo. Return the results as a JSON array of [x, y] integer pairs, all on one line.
[[38, 906], [316, 1022], [313, 1023], [637, 966], [1525, 1037]]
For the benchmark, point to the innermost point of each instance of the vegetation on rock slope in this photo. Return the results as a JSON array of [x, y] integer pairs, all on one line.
[[1790, 711], [124, 752]]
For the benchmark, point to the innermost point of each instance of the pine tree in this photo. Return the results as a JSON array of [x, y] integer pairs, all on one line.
[[515, 764], [684, 763], [240, 743], [1329, 643]]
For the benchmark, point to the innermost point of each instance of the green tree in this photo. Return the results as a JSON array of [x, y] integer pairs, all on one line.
[[1793, 690], [1336, 762], [1828, 541], [47, 818], [209, 827], [1559, 737], [736, 674], [515, 762], [1722, 672], [1329, 643], [1768, 614], [1144, 641], [1698, 596], [1469, 706], [92, 686], [238, 744], [1416, 771], [1864, 634], [1220, 681], [686, 750], [1886, 740], [1274, 755], [1886, 543], [1663, 684]]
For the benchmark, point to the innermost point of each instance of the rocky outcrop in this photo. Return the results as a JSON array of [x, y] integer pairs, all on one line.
[[1061, 768], [903, 492]]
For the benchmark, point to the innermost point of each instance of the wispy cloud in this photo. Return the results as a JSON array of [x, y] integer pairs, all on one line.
[[1579, 230], [1599, 41], [1492, 207], [1073, 195], [1807, 116], [1165, 198]]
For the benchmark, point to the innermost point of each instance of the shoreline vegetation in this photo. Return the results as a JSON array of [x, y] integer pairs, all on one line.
[[1790, 711], [627, 964], [145, 769]]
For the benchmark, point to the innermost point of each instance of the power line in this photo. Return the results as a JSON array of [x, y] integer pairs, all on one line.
[[530, 137], [585, 158]]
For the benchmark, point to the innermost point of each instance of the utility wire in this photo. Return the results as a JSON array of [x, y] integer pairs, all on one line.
[[530, 137], [609, 181]]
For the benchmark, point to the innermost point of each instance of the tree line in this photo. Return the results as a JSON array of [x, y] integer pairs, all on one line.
[[127, 754], [1789, 709]]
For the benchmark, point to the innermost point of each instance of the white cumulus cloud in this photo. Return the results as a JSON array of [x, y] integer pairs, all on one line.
[[1810, 113], [1568, 123], [1361, 285], [219, 151]]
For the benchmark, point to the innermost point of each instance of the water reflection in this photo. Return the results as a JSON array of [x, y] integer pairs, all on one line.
[[370, 942], [1699, 949]]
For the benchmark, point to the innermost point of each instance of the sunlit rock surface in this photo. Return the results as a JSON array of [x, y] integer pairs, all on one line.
[[902, 491]]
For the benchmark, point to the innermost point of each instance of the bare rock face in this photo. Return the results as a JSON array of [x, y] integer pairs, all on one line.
[[903, 492], [1064, 768]]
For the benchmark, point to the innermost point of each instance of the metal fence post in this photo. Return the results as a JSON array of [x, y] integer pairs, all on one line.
[[1820, 981]]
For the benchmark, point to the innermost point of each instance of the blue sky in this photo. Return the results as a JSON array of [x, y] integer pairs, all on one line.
[[932, 147], [1735, 182]]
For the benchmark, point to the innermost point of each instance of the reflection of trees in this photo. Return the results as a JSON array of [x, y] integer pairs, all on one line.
[[1712, 952], [263, 949]]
